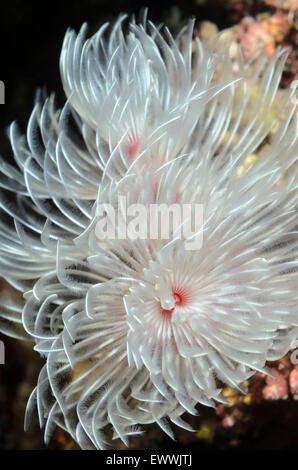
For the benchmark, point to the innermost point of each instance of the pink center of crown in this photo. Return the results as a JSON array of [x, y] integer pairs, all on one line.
[[178, 301]]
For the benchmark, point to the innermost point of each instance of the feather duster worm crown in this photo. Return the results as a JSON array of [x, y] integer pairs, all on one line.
[[141, 331]]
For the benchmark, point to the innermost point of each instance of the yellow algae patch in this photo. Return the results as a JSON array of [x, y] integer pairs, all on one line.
[[250, 160]]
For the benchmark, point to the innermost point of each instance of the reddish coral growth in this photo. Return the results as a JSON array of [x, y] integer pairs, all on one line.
[[277, 386], [228, 421], [293, 381], [258, 30], [283, 4], [261, 34], [282, 384]]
